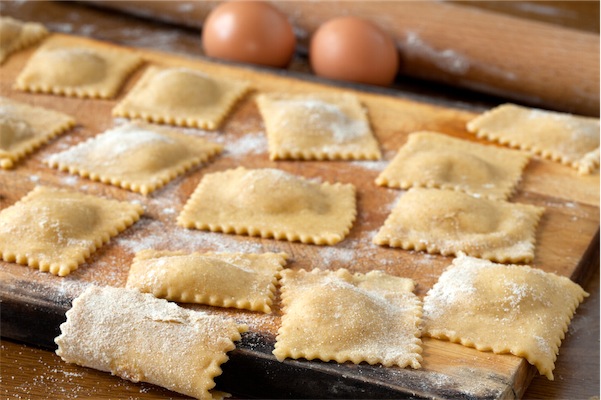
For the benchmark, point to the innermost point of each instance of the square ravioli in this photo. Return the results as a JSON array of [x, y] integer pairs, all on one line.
[[181, 96], [56, 230], [271, 203], [449, 222], [502, 308], [101, 68], [24, 128], [138, 337], [16, 35], [317, 126], [569, 139], [135, 156], [238, 280], [431, 159], [336, 315]]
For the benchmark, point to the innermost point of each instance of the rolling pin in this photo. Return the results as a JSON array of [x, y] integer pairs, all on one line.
[[525, 61]]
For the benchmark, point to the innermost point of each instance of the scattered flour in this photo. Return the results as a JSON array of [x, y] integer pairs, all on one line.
[[185, 7], [154, 234], [447, 60], [250, 143], [371, 165], [70, 180]]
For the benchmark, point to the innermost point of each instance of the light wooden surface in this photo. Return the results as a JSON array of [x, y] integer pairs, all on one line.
[[574, 210]]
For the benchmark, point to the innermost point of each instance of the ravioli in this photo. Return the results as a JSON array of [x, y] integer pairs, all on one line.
[[182, 97], [317, 126], [16, 35], [430, 159], [24, 128], [55, 230], [336, 315], [245, 281], [141, 338], [569, 139], [502, 308], [271, 203], [136, 156], [101, 68], [449, 222]]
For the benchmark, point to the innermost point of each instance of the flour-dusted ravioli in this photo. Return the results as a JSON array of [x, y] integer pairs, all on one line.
[[24, 128], [245, 281], [317, 126], [449, 222], [137, 156], [430, 159], [16, 35], [570, 139], [56, 230], [271, 203], [181, 96], [335, 315], [502, 308], [141, 338], [77, 67]]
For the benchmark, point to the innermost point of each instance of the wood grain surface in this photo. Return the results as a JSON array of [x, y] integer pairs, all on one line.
[[566, 237]]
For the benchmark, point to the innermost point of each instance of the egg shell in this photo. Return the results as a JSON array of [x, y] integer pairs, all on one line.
[[249, 31], [353, 49]]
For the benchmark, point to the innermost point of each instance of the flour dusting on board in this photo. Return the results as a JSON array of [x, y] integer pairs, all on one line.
[[154, 234], [447, 60], [371, 165], [250, 143]]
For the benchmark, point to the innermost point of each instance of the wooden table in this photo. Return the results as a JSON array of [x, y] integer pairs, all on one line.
[[29, 372]]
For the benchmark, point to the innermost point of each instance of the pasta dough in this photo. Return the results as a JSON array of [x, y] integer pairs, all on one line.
[[317, 126], [135, 156], [24, 128], [569, 139], [100, 73], [335, 315], [16, 35], [435, 160], [181, 96], [56, 230], [502, 308], [271, 203], [449, 222], [141, 338], [245, 281]]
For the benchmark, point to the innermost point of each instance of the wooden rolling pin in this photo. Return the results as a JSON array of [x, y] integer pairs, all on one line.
[[530, 62]]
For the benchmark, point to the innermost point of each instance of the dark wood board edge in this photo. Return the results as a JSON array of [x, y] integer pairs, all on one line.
[[30, 319], [590, 260], [318, 379], [29, 315]]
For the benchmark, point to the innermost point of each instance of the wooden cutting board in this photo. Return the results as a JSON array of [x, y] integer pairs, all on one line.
[[34, 303]]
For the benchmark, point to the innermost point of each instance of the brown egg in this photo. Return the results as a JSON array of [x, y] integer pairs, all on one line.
[[353, 49], [249, 31]]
